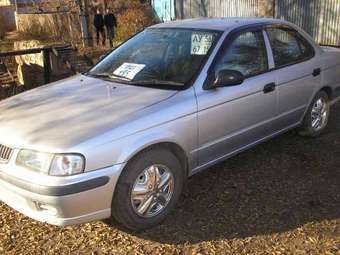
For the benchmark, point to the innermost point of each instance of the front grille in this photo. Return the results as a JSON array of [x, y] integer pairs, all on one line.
[[5, 153]]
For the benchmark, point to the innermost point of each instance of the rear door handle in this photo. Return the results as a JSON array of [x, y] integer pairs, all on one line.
[[317, 72], [269, 88]]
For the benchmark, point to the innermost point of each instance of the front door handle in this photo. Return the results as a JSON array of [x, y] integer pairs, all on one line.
[[269, 88], [317, 72]]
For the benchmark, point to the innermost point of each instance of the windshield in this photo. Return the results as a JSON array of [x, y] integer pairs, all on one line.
[[158, 57]]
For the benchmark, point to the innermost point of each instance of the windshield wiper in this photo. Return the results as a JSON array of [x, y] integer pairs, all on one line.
[[109, 76], [125, 80], [97, 75], [156, 82]]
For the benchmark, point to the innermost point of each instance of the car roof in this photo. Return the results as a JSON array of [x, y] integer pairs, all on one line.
[[221, 24]]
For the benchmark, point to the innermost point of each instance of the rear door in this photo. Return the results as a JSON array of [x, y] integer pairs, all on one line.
[[297, 72]]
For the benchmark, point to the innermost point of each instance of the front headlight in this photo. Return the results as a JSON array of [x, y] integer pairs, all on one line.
[[52, 164], [34, 160]]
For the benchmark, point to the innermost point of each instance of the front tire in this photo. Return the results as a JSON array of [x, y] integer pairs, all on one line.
[[317, 115], [148, 189]]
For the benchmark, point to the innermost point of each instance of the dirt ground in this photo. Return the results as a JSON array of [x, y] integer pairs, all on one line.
[[281, 197]]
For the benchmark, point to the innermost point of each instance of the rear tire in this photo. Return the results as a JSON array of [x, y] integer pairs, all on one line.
[[317, 115], [148, 189]]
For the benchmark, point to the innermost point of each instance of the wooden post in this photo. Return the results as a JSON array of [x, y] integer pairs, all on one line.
[[85, 22], [16, 6], [47, 65], [69, 20]]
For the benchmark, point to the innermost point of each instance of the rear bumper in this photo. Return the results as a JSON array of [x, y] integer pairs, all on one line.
[[87, 198]]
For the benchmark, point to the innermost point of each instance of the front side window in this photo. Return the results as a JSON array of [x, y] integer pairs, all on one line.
[[288, 46], [246, 54], [159, 57]]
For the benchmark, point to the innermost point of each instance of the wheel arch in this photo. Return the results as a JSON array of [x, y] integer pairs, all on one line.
[[328, 91], [173, 147]]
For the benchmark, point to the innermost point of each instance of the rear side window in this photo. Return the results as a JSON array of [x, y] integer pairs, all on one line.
[[288, 46], [246, 54]]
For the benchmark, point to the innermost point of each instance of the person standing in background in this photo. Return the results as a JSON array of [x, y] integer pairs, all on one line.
[[110, 24], [98, 23]]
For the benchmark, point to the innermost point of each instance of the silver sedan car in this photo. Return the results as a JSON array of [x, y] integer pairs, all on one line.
[[120, 140]]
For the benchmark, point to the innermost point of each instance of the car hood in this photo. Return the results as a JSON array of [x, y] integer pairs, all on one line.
[[61, 115]]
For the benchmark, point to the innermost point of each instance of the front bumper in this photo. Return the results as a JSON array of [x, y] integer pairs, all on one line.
[[65, 200]]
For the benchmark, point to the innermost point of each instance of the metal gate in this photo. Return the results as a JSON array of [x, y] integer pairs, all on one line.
[[216, 8], [319, 18]]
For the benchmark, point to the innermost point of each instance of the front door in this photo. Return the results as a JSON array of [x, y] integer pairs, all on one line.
[[233, 118]]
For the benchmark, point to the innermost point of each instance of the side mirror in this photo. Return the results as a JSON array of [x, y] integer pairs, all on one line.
[[225, 78]]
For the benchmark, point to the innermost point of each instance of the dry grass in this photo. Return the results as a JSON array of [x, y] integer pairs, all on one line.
[[282, 197], [50, 27], [132, 21]]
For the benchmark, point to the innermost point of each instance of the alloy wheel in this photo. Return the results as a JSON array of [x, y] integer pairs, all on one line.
[[319, 114], [152, 191]]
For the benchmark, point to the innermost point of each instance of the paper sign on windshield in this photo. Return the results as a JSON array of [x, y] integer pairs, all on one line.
[[201, 43], [128, 70]]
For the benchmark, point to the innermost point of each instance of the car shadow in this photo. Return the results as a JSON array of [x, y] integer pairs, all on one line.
[[275, 187]]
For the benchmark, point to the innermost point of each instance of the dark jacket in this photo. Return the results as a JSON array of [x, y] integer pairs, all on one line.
[[98, 21], [110, 20]]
